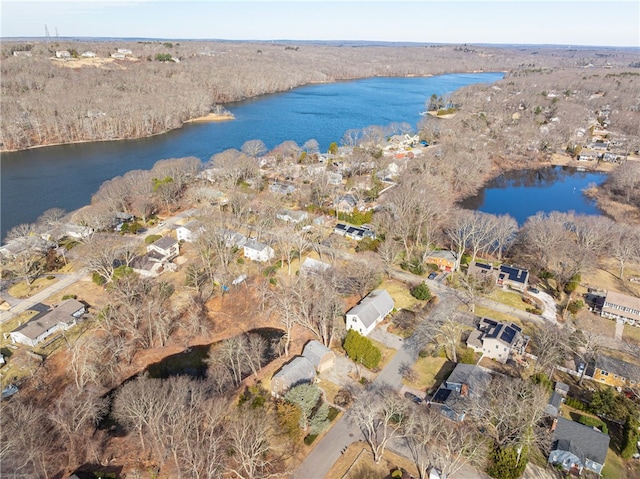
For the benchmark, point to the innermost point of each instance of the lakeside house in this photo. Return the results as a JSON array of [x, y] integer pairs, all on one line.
[[315, 358], [504, 275], [445, 260]]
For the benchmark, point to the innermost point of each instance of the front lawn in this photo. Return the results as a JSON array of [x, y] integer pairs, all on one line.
[[430, 372], [510, 298], [400, 294], [387, 353], [23, 290]]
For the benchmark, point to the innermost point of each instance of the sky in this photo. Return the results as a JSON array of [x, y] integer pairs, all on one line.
[[563, 22]]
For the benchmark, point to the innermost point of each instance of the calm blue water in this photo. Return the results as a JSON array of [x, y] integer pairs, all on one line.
[[67, 176], [524, 193]]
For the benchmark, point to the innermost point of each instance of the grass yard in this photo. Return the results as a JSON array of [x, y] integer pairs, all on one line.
[[614, 467], [400, 294], [330, 390], [387, 353], [510, 298], [631, 334], [485, 312], [430, 372], [22, 290], [357, 461]]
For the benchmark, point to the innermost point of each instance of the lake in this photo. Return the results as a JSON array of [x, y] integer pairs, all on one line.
[[526, 192], [66, 176]]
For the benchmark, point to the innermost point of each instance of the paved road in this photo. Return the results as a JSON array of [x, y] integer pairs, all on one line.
[[42, 295]]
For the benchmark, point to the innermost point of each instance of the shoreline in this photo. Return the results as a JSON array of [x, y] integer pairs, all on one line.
[[229, 116]]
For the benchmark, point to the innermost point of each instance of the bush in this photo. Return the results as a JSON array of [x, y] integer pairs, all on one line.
[[414, 266], [69, 296], [573, 284], [421, 292], [152, 239], [630, 438], [97, 278], [361, 350], [575, 306], [50, 277], [466, 356], [576, 404], [543, 380]]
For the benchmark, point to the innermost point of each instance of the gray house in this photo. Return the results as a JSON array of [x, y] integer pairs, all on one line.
[[575, 447], [41, 327], [320, 356], [454, 396], [297, 371], [366, 315]]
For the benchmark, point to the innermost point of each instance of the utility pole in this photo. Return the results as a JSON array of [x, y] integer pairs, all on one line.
[[46, 33]]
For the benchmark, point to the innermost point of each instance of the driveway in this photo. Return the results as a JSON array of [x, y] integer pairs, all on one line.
[[549, 306]]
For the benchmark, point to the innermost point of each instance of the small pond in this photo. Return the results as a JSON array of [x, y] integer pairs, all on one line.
[[524, 193]]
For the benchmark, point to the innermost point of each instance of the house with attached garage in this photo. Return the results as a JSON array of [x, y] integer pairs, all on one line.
[[508, 276], [624, 309], [41, 327], [256, 251], [320, 356], [369, 312], [576, 447], [297, 371], [445, 260], [292, 216], [164, 249]]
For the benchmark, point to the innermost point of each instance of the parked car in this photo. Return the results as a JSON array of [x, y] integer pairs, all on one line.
[[413, 397], [9, 391], [534, 290], [433, 275]]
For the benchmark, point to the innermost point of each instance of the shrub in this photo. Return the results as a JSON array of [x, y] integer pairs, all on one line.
[[50, 277], [69, 296], [630, 438], [152, 239], [543, 380], [414, 266], [97, 278], [466, 356], [361, 350], [576, 404], [421, 292], [573, 284], [575, 306]]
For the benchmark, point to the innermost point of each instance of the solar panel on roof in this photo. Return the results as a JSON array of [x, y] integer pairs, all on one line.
[[490, 322], [516, 327], [508, 334]]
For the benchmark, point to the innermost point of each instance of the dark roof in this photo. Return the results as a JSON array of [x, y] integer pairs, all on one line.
[[66, 312], [165, 242], [576, 438], [619, 367], [514, 273]]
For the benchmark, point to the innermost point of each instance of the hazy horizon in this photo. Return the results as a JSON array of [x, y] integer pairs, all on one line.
[[498, 22]]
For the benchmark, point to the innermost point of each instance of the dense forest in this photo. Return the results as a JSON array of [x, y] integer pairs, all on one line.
[[160, 85]]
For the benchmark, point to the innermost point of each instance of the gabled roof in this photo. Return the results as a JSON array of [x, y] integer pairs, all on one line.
[[314, 351], [373, 307], [192, 225], [619, 367], [444, 254], [66, 312], [255, 245], [296, 371], [164, 243], [314, 265], [583, 441]]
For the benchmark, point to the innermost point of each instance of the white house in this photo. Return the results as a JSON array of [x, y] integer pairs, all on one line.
[[292, 216], [257, 251], [313, 266], [497, 340], [190, 231], [39, 328], [369, 312], [164, 249]]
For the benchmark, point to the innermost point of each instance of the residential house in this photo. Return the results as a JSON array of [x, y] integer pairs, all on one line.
[[621, 307], [232, 239], [164, 249], [345, 203], [64, 54], [614, 372], [505, 275], [292, 216], [587, 155], [454, 396], [312, 266], [77, 231], [282, 188], [497, 340], [190, 231], [354, 232], [124, 51], [41, 327], [149, 266], [320, 356], [257, 251], [513, 277], [562, 389], [118, 56], [297, 371], [575, 447], [369, 312], [88, 54], [445, 259], [22, 53]]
